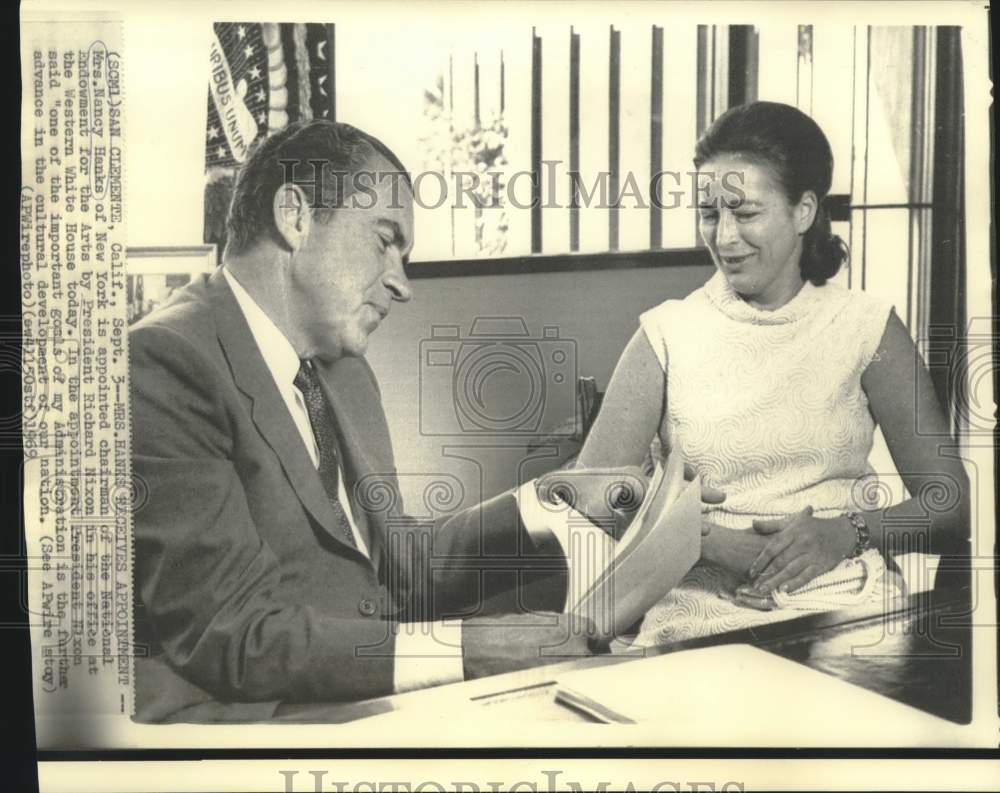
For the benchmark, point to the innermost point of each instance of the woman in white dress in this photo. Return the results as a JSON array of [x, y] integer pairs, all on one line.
[[771, 380]]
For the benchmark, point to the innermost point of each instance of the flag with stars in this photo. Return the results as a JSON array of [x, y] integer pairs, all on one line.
[[238, 92], [261, 77]]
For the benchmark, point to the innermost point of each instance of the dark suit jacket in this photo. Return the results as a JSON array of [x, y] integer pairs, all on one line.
[[246, 594]]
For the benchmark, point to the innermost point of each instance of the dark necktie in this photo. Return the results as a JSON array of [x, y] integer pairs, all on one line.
[[321, 419]]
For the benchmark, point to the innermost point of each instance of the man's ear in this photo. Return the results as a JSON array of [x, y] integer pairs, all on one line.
[[806, 211], [292, 215]]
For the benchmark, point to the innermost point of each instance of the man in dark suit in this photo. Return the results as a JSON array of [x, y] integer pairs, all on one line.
[[274, 561]]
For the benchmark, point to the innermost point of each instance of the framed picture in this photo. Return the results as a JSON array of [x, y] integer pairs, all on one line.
[[155, 272]]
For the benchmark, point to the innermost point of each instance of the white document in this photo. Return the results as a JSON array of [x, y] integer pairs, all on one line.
[[762, 698]]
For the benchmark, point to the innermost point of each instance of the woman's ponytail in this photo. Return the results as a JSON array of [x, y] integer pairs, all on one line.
[[823, 253]]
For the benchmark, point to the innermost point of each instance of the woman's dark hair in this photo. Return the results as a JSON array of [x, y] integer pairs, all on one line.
[[795, 148]]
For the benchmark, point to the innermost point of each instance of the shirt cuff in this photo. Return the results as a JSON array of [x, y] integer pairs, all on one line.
[[587, 548], [427, 654], [541, 520]]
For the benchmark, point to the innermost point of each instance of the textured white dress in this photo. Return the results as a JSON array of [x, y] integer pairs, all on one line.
[[768, 406]]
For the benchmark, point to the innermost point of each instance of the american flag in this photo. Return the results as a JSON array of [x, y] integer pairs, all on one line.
[[262, 76]]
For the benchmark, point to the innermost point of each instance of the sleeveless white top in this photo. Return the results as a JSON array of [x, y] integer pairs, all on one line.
[[768, 405]]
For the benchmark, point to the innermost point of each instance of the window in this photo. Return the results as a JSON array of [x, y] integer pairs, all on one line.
[[891, 105]]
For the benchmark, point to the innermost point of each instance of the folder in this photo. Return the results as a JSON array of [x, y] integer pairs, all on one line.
[[661, 544]]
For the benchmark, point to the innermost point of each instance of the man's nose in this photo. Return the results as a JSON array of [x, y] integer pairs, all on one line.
[[396, 282]]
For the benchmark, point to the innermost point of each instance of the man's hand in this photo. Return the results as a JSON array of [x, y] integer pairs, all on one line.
[[497, 644], [801, 547], [609, 497]]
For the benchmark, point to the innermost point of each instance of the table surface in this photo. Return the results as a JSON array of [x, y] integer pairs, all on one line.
[[916, 651]]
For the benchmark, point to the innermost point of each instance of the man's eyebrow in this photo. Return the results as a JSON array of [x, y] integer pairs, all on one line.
[[396, 229]]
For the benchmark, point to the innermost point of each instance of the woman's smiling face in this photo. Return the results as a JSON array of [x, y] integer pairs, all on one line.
[[752, 231]]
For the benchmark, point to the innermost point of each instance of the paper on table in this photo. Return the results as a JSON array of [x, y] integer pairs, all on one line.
[[660, 546], [763, 699]]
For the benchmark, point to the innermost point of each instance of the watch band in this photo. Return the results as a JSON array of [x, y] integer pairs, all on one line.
[[864, 541]]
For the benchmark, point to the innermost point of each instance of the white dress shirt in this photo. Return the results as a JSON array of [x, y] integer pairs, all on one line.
[[427, 654]]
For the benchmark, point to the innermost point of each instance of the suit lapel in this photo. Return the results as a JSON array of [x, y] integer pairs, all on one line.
[[267, 408]]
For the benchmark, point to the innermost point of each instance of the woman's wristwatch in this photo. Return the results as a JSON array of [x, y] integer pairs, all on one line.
[[864, 541]]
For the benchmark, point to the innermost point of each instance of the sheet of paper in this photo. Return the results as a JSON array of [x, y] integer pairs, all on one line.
[[763, 698]]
